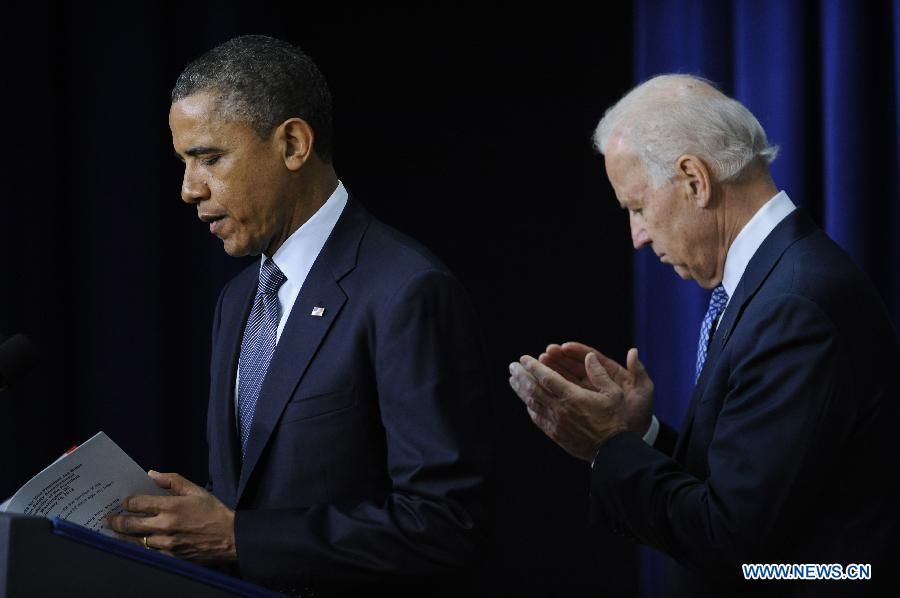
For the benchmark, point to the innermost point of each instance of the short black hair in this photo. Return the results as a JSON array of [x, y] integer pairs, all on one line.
[[263, 81]]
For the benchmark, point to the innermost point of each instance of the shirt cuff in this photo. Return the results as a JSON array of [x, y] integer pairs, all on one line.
[[652, 431]]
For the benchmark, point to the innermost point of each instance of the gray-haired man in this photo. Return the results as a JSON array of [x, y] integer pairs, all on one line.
[[786, 454]]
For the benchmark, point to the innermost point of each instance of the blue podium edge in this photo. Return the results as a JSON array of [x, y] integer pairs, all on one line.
[[159, 560]]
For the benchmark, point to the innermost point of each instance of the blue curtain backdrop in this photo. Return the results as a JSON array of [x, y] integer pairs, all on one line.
[[823, 78]]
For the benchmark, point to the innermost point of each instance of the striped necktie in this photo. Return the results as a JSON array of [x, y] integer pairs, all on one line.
[[717, 302], [258, 345]]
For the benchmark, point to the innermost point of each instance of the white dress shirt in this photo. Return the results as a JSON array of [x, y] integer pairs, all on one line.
[[739, 255], [296, 256], [751, 237]]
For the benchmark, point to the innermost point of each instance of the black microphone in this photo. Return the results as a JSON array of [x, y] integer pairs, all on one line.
[[17, 355]]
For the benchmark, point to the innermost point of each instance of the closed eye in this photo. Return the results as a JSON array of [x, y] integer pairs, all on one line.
[[208, 155]]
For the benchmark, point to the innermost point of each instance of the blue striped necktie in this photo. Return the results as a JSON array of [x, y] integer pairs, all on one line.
[[258, 345], [717, 302]]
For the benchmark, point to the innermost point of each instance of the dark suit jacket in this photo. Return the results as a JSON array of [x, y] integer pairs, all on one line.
[[367, 457], [787, 453]]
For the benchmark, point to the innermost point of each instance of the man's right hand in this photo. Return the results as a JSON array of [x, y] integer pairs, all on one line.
[[568, 360]]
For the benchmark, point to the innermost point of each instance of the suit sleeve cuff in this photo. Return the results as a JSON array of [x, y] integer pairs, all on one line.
[[649, 436]]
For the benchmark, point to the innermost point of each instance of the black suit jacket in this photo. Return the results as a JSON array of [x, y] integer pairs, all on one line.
[[368, 456], [787, 453]]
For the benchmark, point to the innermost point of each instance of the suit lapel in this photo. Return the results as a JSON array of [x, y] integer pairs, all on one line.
[[235, 310], [304, 332], [795, 226]]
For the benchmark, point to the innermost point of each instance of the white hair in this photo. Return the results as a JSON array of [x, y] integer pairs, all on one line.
[[671, 115]]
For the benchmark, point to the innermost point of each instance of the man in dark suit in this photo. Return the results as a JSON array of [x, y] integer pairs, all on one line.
[[786, 455], [348, 408]]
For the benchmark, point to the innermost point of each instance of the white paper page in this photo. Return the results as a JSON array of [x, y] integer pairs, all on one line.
[[84, 486]]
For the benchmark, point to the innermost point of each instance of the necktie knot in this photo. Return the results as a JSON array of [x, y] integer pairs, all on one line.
[[718, 299], [270, 277], [717, 302]]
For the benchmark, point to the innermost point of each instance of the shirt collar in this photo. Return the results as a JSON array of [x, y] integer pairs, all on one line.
[[752, 236], [293, 257]]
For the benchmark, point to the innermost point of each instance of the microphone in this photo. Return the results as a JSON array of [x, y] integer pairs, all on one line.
[[17, 356]]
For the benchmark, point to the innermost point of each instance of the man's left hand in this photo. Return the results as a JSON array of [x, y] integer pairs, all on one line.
[[193, 524], [576, 418]]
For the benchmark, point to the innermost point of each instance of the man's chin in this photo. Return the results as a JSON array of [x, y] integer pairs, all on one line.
[[683, 272], [235, 249]]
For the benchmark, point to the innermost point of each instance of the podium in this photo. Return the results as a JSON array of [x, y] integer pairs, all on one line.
[[39, 557]]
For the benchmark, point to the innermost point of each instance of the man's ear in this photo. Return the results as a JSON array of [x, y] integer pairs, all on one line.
[[692, 172], [296, 142]]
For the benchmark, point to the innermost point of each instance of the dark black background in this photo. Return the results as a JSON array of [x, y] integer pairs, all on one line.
[[468, 130]]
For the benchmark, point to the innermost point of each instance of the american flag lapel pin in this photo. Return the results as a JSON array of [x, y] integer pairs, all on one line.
[[318, 312]]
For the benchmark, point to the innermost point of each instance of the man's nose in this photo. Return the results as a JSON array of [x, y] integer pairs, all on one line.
[[193, 189], [639, 236]]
